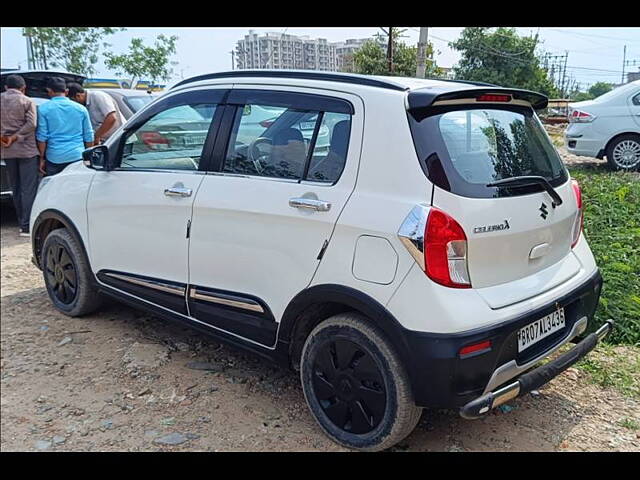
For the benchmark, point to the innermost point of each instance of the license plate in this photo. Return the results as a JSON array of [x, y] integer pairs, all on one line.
[[542, 328], [307, 125], [194, 139]]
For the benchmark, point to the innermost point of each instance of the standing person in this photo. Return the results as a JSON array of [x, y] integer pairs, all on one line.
[[64, 129], [103, 111], [18, 147]]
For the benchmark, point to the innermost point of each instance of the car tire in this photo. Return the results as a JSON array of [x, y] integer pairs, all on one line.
[[621, 152], [67, 275], [355, 384]]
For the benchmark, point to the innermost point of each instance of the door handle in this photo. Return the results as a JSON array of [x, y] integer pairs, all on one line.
[[177, 192], [310, 204]]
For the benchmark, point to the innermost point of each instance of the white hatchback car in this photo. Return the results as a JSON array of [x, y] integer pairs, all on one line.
[[608, 126], [432, 256]]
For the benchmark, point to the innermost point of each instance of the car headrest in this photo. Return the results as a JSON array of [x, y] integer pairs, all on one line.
[[287, 135], [340, 137]]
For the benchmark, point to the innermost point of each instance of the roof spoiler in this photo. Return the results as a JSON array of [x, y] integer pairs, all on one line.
[[428, 97]]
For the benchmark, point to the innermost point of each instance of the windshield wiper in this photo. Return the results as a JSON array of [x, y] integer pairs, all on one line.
[[529, 180]]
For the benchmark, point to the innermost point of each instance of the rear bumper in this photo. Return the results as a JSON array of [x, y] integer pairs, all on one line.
[[535, 378], [582, 140], [441, 378]]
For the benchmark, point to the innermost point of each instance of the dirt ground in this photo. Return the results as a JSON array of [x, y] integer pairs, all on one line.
[[121, 380]]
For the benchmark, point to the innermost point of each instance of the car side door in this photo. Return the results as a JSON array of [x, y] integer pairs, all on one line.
[[139, 212], [265, 214]]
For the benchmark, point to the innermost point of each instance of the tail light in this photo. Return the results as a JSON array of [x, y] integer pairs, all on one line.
[[439, 245], [445, 251], [578, 223], [578, 116], [154, 139], [267, 123]]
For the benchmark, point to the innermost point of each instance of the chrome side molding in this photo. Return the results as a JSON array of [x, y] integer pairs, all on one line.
[[155, 284], [225, 299]]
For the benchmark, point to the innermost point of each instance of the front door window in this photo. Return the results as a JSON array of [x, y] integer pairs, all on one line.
[[171, 140]]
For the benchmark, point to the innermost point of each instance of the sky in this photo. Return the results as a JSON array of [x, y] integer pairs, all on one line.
[[595, 54]]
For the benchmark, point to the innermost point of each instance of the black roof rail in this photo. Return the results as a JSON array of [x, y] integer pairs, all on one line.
[[302, 74]]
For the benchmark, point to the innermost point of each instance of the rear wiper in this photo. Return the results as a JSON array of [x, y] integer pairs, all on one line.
[[529, 180]]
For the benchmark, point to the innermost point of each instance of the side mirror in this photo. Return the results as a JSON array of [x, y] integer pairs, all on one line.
[[247, 110], [96, 157]]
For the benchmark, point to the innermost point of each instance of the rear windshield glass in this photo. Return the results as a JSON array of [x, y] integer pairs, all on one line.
[[136, 103], [463, 150]]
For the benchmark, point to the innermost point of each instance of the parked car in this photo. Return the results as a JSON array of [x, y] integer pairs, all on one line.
[[129, 101], [432, 257], [608, 125], [36, 88]]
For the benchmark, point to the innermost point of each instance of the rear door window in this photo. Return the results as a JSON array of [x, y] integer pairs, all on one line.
[[292, 136], [275, 146], [463, 150], [330, 152]]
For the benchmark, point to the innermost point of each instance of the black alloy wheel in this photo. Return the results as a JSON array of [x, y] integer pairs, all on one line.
[[355, 384], [349, 386], [61, 273]]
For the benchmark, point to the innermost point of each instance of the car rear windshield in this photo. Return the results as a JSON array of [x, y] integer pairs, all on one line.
[[136, 103], [463, 149]]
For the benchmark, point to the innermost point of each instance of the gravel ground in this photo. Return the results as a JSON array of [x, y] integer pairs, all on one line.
[[121, 380]]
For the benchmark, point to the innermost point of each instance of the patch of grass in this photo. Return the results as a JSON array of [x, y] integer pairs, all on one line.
[[612, 228], [557, 139], [615, 367], [629, 423]]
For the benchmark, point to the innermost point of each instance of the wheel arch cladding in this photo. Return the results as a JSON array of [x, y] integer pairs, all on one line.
[[315, 304], [47, 221]]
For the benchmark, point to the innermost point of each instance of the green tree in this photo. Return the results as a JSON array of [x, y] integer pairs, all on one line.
[[501, 57], [371, 58], [145, 61], [75, 49], [597, 89]]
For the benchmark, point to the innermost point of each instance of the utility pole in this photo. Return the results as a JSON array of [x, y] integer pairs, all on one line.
[[390, 50], [564, 72], [30, 62], [233, 60], [422, 52], [624, 62]]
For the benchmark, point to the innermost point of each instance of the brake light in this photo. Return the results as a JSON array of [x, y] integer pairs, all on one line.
[[445, 251], [153, 139], [267, 123], [578, 223], [578, 116], [493, 98]]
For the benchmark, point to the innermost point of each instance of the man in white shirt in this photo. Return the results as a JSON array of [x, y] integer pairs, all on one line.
[[103, 111]]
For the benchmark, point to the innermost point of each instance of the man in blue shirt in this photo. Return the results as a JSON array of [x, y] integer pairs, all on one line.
[[64, 129]]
